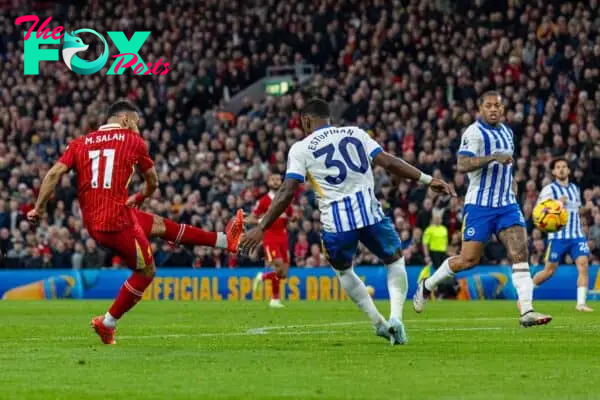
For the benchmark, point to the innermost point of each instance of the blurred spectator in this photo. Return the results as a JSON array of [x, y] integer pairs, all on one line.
[[594, 237], [301, 247], [94, 257], [78, 256], [315, 259]]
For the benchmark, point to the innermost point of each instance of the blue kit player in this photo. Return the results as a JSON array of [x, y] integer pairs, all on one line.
[[570, 240], [491, 207], [337, 161]]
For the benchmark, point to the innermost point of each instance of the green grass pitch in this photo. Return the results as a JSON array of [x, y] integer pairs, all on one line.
[[309, 350]]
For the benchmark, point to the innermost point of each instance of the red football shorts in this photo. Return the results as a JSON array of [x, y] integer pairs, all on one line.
[[277, 249], [131, 244], [145, 220]]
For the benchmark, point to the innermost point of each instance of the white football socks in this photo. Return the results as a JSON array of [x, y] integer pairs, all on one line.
[[221, 242], [109, 320], [521, 277], [441, 274], [581, 295], [397, 283], [357, 291]]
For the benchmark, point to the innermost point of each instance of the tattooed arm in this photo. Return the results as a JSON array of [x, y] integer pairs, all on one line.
[[469, 164]]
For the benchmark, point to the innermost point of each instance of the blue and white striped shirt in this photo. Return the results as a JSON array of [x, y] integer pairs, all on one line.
[[491, 185], [555, 191], [337, 163]]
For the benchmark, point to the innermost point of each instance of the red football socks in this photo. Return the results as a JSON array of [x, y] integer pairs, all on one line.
[[272, 276], [131, 292], [188, 235]]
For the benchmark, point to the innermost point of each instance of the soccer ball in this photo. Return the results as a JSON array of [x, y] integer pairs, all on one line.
[[550, 216]]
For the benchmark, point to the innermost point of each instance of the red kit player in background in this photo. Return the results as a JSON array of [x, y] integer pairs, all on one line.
[[276, 245], [104, 161]]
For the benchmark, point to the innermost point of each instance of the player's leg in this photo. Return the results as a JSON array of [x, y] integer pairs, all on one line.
[[340, 249], [512, 234], [383, 241], [580, 253], [156, 226], [545, 274], [281, 264], [134, 248], [275, 257], [582, 283], [270, 276], [477, 225], [470, 254], [554, 254]]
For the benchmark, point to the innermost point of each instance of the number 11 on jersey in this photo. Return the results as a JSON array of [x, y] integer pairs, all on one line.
[[109, 155]]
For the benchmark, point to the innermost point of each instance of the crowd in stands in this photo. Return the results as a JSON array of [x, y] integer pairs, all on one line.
[[407, 72]]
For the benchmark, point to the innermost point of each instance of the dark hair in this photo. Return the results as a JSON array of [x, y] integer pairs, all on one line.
[[122, 106], [489, 93], [316, 108], [557, 160]]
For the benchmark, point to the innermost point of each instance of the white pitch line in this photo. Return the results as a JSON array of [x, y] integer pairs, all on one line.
[[279, 330], [265, 329]]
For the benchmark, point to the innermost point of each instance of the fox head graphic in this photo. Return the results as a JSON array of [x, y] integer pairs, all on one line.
[[74, 45]]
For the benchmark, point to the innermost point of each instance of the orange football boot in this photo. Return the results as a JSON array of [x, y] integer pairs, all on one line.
[[234, 231], [107, 335]]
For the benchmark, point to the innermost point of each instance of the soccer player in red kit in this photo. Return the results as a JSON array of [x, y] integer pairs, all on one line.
[[276, 246], [104, 161]]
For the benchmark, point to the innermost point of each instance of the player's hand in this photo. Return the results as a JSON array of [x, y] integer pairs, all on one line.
[[134, 201], [131, 202], [251, 240], [564, 200], [439, 186], [503, 158], [34, 216]]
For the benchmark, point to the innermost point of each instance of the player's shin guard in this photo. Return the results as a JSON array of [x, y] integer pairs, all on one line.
[[523, 283], [357, 291], [188, 235], [131, 292], [397, 286]]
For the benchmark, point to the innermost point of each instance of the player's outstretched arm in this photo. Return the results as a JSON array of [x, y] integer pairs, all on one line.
[[469, 164], [280, 203], [402, 169], [46, 190]]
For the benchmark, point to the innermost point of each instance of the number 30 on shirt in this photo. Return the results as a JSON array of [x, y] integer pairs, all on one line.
[[329, 151]]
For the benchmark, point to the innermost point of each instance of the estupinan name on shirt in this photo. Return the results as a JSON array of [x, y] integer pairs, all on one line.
[[109, 137]]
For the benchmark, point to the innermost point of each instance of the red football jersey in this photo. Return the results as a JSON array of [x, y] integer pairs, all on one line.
[[104, 161], [279, 227]]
